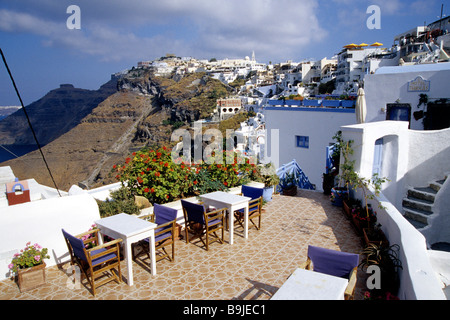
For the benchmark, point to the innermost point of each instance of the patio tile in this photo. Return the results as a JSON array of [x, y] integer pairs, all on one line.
[[250, 269]]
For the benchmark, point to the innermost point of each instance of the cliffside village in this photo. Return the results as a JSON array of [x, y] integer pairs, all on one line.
[[261, 86]]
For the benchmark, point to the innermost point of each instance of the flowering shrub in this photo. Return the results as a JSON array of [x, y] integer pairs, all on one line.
[[360, 214], [154, 175], [31, 255], [379, 296]]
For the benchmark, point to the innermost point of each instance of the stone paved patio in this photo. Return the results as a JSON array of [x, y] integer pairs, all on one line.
[[248, 270]]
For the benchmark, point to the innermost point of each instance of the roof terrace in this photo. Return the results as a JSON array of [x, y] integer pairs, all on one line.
[[252, 269]]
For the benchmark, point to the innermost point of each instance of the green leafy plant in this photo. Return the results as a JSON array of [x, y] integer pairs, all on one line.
[[30, 256], [121, 200], [267, 175], [388, 260]]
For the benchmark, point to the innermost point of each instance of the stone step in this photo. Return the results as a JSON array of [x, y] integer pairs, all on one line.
[[427, 194], [437, 185], [418, 204], [416, 215], [418, 225]]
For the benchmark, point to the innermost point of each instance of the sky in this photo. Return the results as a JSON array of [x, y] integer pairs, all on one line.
[[43, 50]]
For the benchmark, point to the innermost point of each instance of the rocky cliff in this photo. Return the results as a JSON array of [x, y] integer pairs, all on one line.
[[141, 113], [56, 113]]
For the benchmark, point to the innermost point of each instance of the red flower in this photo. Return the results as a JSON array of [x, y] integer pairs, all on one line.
[[127, 160], [166, 164], [146, 190], [152, 190], [114, 166], [225, 183], [157, 174], [195, 182]]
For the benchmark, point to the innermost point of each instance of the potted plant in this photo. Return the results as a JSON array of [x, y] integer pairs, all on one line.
[[288, 184], [349, 204], [268, 176], [375, 235], [361, 219], [389, 263], [347, 173], [29, 266], [333, 162]]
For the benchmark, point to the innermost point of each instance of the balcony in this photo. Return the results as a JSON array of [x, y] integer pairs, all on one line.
[[252, 269]]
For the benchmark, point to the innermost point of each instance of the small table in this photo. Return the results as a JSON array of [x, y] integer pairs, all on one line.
[[232, 202], [130, 229], [310, 285]]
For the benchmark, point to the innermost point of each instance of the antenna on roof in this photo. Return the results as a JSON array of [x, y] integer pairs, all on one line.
[[28, 119]]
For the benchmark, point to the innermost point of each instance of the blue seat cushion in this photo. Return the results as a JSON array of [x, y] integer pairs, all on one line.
[[101, 259], [214, 222]]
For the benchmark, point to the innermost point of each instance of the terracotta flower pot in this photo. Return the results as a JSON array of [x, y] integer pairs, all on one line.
[[31, 278], [380, 237]]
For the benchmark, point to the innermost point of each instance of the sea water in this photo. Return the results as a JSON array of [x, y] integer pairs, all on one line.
[[17, 150]]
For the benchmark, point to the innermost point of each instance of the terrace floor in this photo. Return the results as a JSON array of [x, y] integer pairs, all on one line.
[[247, 270]]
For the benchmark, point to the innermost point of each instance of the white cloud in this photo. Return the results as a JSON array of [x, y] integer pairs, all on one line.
[[115, 30]]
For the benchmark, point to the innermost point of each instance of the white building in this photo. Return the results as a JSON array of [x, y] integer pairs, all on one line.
[[395, 93], [303, 133], [355, 61]]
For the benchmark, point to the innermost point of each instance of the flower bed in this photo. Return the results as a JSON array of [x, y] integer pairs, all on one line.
[[155, 175]]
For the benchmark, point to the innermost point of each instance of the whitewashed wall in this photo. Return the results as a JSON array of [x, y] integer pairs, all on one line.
[[412, 157], [41, 222], [319, 124], [390, 84]]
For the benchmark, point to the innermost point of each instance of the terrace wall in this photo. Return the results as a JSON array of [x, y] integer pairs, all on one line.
[[410, 157], [41, 222], [418, 279]]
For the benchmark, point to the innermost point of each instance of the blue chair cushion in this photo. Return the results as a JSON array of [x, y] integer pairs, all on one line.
[[76, 244], [164, 214], [252, 192], [250, 211], [195, 212], [101, 259], [332, 262], [214, 222]]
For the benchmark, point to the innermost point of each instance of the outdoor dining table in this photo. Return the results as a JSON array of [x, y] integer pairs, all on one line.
[[232, 202], [130, 229], [310, 285]]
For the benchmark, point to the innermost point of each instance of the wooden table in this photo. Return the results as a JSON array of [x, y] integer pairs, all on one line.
[[232, 202], [130, 229], [310, 285]]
